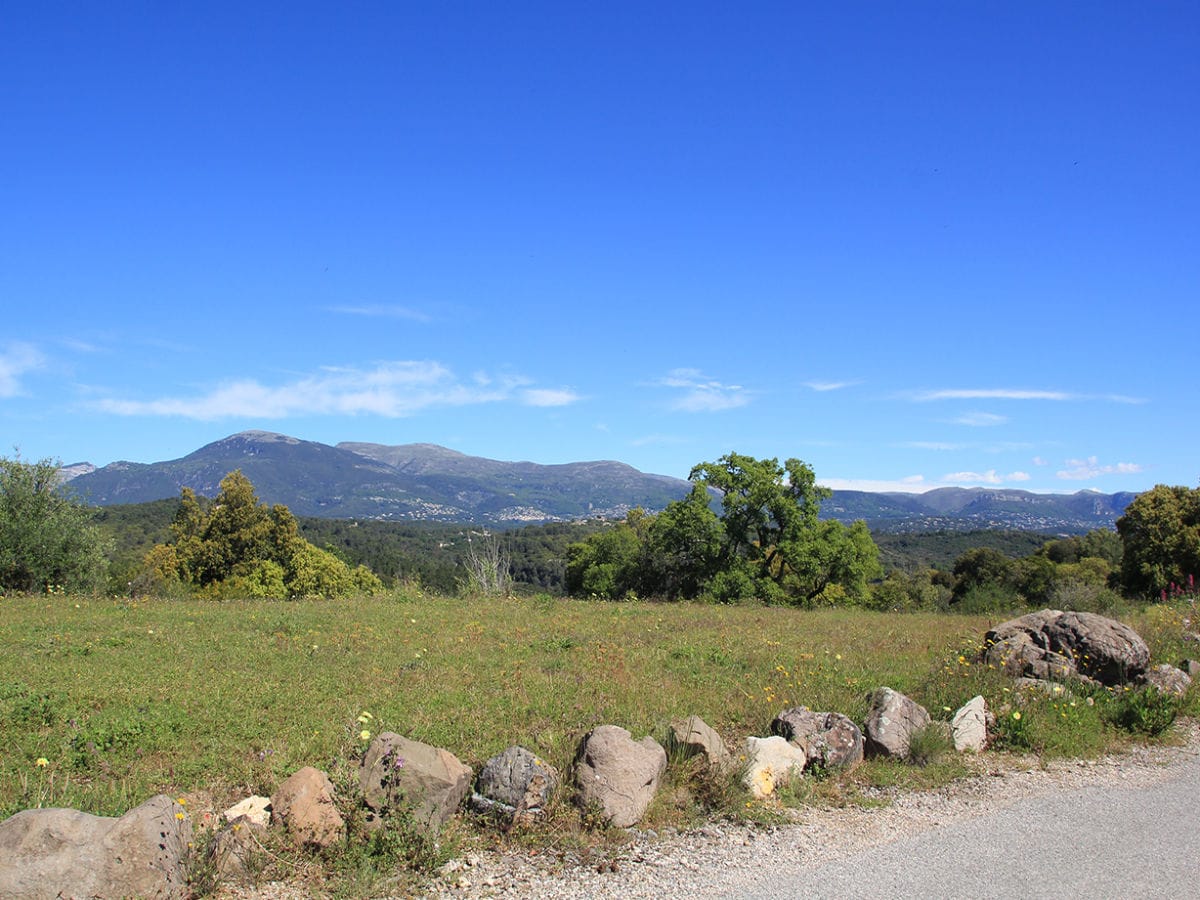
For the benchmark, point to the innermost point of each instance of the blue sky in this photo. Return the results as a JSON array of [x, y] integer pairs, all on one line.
[[912, 244]]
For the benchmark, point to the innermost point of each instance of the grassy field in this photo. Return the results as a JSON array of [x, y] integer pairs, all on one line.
[[104, 703]]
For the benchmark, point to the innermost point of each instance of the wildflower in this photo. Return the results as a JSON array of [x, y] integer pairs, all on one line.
[[364, 718], [1017, 715], [838, 656], [182, 801], [42, 762], [180, 816], [364, 735]]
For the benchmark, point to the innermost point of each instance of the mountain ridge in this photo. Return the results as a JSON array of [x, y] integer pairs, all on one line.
[[428, 482]]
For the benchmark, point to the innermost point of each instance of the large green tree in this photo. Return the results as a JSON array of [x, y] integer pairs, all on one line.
[[236, 546], [1161, 533], [775, 543], [47, 540]]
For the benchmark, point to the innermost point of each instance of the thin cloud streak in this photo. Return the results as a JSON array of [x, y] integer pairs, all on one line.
[[825, 386], [391, 390], [383, 311]]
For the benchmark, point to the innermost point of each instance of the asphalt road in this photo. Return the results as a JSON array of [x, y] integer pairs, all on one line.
[[1100, 841]]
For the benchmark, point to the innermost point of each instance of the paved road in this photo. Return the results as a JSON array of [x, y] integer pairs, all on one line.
[[1101, 841]]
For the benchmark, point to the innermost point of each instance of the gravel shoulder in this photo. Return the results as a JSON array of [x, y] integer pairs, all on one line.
[[725, 859]]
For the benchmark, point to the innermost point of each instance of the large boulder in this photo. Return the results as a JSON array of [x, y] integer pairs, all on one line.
[[1057, 645], [892, 719], [517, 783], [51, 853], [618, 774], [398, 773], [771, 762], [693, 736], [305, 805], [830, 740]]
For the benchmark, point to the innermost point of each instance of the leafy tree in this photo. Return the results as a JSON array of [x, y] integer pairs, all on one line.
[[237, 547], [981, 567], [683, 547], [606, 564], [46, 539], [1160, 531], [774, 536]]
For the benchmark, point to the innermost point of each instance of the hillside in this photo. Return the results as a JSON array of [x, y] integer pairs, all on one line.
[[414, 482], [428, 483]]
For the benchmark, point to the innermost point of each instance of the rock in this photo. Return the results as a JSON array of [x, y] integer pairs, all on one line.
[[693, 736], [398, 772], [305, 805], [968, 728], [618, 774], [516, 782], [831, 740], [1052, 644], [1191, 667], [772, 762], [236, 848], [891, 721], [1168, 679], [51, 853], [256, 809]]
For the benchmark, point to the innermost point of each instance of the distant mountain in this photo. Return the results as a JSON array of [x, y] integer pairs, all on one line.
[[373, 481], [962, 509], [425, 482]]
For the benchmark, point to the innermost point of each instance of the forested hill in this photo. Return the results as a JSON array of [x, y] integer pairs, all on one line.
[[428, 483]]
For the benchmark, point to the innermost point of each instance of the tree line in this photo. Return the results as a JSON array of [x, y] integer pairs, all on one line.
[[749, 528]]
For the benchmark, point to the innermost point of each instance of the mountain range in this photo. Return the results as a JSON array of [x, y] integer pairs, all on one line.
[[426, 482]]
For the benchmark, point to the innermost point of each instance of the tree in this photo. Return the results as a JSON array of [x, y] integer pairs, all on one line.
[[46, 539], [237, 547], [682, 551], [1160, 531], [773, 533]]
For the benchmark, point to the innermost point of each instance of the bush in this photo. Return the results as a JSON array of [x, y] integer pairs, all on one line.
[[1146, 710], [47, 541]]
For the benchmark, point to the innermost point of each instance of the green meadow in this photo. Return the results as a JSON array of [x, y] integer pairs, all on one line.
[[104, 702]]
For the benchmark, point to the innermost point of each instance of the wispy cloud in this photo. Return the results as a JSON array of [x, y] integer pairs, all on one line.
[[15, 361], [912, 484], [991, 394], [383, 311], [1017, 394], [653, 439], [390, 389], [703, 394], [991, 476], [980, 420], [1083, 469], [549, 397], [823, 386]]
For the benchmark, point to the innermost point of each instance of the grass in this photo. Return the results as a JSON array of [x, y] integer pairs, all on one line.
[[104, 703]]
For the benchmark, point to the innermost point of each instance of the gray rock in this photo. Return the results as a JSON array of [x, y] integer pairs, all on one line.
[[891, 721], [1191, 667], [1052, 644], [831, 740], [237, 849], [51, 853], [618, 774], [772, 762], [969, 726], [516, 782], [399, 773], [693, 736], [1168, 679], [305, 805]]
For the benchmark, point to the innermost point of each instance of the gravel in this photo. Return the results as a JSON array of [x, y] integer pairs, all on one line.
[[726, 858]]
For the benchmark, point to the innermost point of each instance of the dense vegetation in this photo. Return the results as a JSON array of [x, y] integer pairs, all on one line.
[[234, 547], [767, 543]]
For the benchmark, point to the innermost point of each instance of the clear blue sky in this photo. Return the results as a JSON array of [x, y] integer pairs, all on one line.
[[912, 244]]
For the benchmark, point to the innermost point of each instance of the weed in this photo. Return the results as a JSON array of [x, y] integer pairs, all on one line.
[[1143, 711]]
